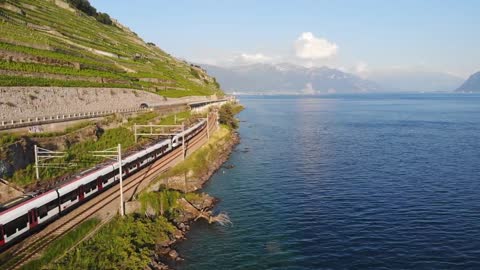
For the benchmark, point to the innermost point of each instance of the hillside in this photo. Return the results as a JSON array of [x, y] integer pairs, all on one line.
[[414, 80], [288, 79], [51, 43], [472, 84]]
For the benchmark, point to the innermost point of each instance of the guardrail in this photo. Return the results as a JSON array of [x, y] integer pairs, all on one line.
[[34, 121]]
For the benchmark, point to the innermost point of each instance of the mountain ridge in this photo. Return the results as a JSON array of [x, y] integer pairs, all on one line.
[[286, 78], [472, 84]]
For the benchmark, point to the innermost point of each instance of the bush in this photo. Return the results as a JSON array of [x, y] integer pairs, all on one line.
[[85, 7], [104, 18], [227, 116]]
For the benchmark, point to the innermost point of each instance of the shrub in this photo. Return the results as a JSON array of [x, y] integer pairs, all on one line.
[[227, 116], [85, 7], [104, 18]]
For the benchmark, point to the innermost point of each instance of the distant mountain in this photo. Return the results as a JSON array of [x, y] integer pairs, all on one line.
[[415, 81], [287, 79], [472, 84]]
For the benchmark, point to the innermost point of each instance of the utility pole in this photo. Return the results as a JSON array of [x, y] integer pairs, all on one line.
[[42, 155], [37, 173], [119, 157], [135, 131], [115, 153], [208, 127], [183, 140]]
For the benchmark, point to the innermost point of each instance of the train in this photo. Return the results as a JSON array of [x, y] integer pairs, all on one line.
[[23, 215]]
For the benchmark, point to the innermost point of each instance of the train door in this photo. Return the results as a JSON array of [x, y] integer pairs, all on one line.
[[2, 237], [100, 183], [33, 218], [81, 192]]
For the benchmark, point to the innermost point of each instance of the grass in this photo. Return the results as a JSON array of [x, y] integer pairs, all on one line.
[[80, 153], [163, 202], [63, 39], [59, 246], [6, 139], [68, 130], [197, 163], [124, 243]]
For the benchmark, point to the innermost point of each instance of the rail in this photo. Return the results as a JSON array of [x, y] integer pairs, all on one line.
[[29, 248]]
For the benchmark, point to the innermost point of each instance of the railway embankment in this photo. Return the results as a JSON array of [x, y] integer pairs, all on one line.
[[160, 215], [17, 157]]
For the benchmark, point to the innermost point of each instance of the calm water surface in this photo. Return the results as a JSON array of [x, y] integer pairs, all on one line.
[[348, 182]]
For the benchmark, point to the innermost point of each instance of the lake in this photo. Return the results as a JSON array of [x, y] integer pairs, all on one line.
[[348, 182]]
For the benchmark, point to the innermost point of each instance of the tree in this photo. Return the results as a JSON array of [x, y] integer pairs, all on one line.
[[227, 116]]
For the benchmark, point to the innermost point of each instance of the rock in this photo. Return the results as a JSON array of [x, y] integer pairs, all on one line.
[[6, 169], [229, 166], [173, 254], [163, 251], [178, 234], [157, 266]]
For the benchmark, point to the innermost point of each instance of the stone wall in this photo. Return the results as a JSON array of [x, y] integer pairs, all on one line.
[[30, 102]]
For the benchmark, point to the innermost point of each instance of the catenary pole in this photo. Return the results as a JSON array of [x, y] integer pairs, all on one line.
[[122, 212]]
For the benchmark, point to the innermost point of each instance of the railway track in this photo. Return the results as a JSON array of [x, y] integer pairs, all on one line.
[[21, 253]]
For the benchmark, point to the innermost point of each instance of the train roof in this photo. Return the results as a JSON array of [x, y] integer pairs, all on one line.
[[23, 206], [14, 202]]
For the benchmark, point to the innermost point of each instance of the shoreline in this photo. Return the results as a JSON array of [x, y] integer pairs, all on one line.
[[166, 256]]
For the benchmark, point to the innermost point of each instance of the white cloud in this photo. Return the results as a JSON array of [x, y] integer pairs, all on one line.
[[252, 58], [307, 46], [361, 68]]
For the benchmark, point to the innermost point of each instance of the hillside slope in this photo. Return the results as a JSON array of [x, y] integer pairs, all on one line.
[[51, 43], [472, 84]]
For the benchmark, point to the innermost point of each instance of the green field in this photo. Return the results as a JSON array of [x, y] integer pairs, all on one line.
[[40, 41]]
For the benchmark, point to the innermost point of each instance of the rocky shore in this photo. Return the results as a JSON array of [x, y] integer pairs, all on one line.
[[166, 255]]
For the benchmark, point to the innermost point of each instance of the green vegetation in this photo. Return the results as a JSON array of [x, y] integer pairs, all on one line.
[[68, 130], [129, 242], [80, 153], [61, 245], [85, 6], [124, 243], [197, 164], [6, 139], [163, 202], [227, 115], [49, 39]]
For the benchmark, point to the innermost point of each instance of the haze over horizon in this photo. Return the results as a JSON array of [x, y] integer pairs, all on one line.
[[364, 38]]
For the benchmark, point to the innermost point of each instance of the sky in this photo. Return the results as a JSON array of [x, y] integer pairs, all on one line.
[[356, 36]]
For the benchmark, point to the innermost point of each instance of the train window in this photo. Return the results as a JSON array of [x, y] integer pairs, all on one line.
[[43, 211], [71, 196], [109, 176], [18, 223], [51, 205], [90, 186], [1, 232]]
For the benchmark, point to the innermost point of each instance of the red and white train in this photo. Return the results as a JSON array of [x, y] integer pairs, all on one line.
[[22, 215]]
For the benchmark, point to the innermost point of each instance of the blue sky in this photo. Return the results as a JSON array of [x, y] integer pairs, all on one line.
[[353, 35]]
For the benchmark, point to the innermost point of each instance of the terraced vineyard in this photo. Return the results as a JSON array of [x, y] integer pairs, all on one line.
[[50, 43]]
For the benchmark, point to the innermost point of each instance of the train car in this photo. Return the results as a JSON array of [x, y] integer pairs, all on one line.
[[84, 185], [25, 216], [177, 140]]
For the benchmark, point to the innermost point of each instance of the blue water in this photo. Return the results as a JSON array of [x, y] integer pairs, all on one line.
[[348, 182]]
